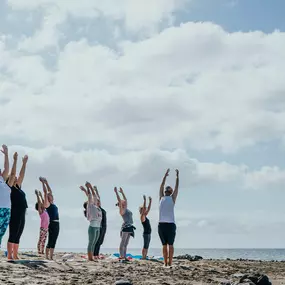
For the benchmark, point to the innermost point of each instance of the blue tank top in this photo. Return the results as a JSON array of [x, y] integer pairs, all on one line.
[[53, 212]]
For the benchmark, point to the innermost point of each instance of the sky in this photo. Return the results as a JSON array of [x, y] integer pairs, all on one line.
[[115, 92]]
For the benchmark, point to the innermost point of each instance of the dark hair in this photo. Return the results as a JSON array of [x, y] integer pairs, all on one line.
[[85, 207], [168, 188], [37, 206]]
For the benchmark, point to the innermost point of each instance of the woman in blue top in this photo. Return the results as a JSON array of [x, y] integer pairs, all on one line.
[[5, 201], [53, 229]]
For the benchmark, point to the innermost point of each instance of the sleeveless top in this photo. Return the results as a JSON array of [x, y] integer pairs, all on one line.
[[166, 210], [5, 191], [44, 219], [128, 219], [146, 226], [53, 212], [18, 199]]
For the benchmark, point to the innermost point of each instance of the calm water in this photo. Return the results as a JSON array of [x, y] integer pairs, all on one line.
[[256, 254]]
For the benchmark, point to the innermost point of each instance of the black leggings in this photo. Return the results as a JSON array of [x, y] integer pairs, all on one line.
[[100, 241], [16, 225], [53, 232]]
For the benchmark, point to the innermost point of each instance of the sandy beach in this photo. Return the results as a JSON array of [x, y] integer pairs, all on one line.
[[78, 271]]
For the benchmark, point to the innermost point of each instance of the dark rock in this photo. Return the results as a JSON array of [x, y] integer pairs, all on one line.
[[123, 282], [256, 278], [189, 257]]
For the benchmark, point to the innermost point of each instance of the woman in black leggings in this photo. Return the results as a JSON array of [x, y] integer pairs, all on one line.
[[18, 208], [53, 229]]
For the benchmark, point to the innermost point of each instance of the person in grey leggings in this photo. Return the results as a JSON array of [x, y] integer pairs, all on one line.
[[127, 228]]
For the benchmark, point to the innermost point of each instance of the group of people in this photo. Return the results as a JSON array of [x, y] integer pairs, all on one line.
[[166, 227], [13, 205]]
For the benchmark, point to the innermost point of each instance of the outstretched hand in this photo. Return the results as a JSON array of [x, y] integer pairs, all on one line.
[[149, 198], [36, 192], [82, 188], [177, 172], [121, 190], [115, 190], [144, 197], [4, 149], [15, 156], [167, 172], [25, 159], [88, 184]]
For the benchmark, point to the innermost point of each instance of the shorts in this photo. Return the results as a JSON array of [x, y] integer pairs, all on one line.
[[167, 233], [146, 240]]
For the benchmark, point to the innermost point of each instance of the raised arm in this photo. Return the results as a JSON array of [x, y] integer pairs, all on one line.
[[92, 192], [84, 190], [143, 210], [149, 206], [97, 192], [46, 202], [39, 202], [123, 194], [13, 171], [5, 172], [22, 171], [161, 190], [175, 193], [118, 196], [41, 197], [47, 185]]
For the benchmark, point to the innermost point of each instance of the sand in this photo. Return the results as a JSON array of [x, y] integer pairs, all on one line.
[[108, 271]]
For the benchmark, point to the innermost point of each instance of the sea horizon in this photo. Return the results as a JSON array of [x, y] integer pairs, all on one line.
[[264, 254]]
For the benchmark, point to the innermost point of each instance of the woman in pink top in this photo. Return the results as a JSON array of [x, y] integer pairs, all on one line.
[[44, 222]]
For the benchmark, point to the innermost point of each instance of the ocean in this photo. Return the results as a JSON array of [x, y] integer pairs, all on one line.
[[248, 253]]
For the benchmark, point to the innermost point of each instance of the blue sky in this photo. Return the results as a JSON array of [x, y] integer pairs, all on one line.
[[116, 94]]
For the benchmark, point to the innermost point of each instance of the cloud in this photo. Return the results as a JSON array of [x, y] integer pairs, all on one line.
[[116, 94]]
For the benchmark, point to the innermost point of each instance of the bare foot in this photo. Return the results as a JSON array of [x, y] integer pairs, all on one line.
[[16, 257]]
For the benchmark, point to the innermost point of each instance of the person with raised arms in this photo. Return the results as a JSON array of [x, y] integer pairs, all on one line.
[[52, 210], [5, 191], [94, 215], [167, 226], [128, 228], [146, 226], [18, 208], [103, 228], [44, 221]]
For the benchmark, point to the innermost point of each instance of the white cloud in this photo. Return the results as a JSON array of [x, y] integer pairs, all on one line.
[[120, 109]]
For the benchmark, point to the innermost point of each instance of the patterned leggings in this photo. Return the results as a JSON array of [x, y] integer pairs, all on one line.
[[42, 240], [5, 214]]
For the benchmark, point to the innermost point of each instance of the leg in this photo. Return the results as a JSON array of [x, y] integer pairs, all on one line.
[[50, 232], [123, 244], [13, 229], [126, 244], [4, 222], [40, 241], [21, 227], [171, 252], [162, 232], [96, 237], [54, 237], [44, 241], [165, 254], [171, 239], [100, 241], [91, 235]]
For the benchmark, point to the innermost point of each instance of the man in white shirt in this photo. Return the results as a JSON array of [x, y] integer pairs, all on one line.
[[167, 226]]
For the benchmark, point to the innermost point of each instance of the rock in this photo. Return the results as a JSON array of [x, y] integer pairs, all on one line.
[[256, 278], [189, 257], [123, 282]]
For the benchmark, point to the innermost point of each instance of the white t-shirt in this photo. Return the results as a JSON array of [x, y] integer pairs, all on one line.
[[166, 210], [5, 200]]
